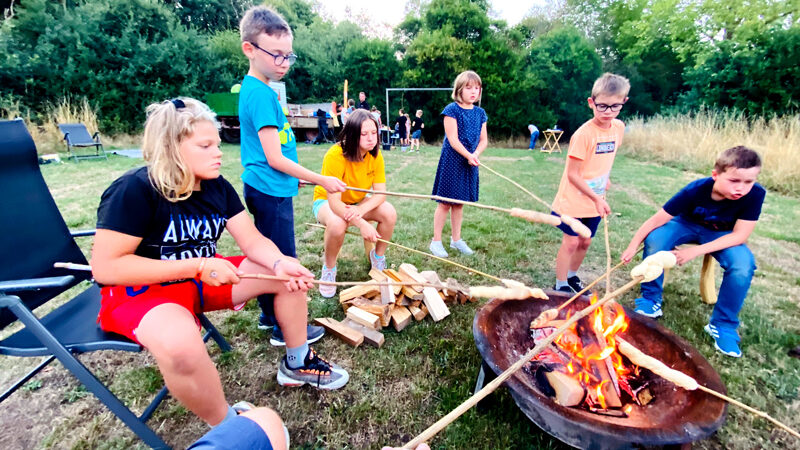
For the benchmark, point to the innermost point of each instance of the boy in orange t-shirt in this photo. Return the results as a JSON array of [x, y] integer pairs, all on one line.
[[581, 193]]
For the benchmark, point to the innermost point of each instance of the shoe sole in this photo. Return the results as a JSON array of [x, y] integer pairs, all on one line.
[[654, 315], [327, 296], [731, 354], [287, 381], [265, 327], [276, 343]]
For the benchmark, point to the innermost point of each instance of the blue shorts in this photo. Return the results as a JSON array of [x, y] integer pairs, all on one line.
[[590, 222], [317, 206], [416, 134], [235, 433]]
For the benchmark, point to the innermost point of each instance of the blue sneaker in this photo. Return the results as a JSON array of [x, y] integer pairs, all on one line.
[[648, 308], [726, 340], [314, 334], [265, 323]]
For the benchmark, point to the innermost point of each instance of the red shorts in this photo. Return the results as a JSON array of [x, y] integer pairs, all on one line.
[[123, 307]]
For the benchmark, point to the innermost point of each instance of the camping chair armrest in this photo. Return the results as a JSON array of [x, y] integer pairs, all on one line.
[[81, 233], [66, 136], [96, 136], [34, 283]]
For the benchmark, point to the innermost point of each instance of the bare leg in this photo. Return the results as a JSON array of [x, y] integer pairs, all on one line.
[[386, 216], [291, 309], [456, 218], [569, 245], [170, 333], [439, 218], [580, 253], [335, 228]]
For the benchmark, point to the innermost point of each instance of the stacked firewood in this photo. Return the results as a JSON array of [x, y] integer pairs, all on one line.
[[371, 307]]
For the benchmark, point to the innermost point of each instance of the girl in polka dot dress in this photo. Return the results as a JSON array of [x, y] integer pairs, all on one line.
[[457, 174]]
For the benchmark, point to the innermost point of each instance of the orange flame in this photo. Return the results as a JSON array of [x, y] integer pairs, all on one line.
[[628, 409], [600, 397], [570, 368]]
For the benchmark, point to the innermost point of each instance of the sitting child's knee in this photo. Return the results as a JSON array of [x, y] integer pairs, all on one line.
[[181, 357]]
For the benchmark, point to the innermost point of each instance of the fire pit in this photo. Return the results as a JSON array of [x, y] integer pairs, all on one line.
[[675, 416]]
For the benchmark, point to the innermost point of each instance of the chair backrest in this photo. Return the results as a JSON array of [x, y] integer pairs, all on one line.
[[76, 133], [33, 235]]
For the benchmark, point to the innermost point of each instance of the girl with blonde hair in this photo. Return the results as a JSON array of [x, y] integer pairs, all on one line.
[[457, 173], [155, 256]]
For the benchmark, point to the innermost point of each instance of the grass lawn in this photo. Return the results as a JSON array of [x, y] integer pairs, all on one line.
[[427, 370]]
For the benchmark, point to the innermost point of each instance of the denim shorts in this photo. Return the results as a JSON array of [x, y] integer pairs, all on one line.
[[317, 206], [590, 222], [416, 134]]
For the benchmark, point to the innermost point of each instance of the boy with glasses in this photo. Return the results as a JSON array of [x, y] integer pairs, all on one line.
[[269, 156], [581, 193]]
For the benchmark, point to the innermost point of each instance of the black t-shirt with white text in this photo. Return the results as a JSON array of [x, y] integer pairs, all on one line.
[[694, 204], [186, 229]]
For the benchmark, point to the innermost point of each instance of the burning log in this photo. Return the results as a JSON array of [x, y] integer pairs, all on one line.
[[569, 391]]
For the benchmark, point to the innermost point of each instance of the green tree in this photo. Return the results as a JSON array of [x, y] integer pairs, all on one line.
[[119, 54], [568, 65]]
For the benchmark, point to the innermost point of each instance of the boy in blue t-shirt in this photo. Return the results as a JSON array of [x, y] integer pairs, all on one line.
[[269, 149], [719, 213]]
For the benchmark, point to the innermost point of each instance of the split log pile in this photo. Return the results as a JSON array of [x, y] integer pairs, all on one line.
[[372, 307]]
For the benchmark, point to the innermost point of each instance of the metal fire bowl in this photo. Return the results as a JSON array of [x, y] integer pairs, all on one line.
[[675, 416]]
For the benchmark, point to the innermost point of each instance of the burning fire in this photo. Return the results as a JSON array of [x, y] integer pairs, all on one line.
[[587, 352]]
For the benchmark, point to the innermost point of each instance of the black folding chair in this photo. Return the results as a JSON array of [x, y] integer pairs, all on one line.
[[33, 236], [77, 136]]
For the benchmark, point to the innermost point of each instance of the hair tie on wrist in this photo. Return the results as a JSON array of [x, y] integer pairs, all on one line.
[[200, 267]]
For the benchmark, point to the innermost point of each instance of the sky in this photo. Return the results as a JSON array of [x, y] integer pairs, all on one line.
[[391, 13]]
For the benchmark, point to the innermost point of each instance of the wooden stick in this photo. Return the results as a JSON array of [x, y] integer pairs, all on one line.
[[530, 216], [576, 225], [489, 388], [683, 380], [262, 276], [747, 408], [469, 269], [608, 255], [72, 266], [547, 205]]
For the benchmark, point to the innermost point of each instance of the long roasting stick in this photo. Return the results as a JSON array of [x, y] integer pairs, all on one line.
[[576, 225], [608, 255], [550, 314], [511, 290], [685, 381], [262, 276], [530, 216], [469, 269], [489, 388]]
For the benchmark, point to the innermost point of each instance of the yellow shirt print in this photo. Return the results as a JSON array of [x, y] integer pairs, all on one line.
[[286, 134]]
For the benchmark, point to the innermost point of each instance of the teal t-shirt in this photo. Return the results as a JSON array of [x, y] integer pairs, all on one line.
[[259, 108]]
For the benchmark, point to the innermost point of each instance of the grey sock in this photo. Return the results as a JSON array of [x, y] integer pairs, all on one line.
[[561, 283], [572, 273], [295, 357]]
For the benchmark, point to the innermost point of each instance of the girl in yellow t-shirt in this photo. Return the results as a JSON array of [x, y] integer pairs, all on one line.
[[356, 160]]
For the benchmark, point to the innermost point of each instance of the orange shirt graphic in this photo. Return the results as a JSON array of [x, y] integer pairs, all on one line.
[[596, 147]]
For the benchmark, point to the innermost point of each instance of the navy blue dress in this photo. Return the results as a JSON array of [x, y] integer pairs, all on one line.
[[455, 177]]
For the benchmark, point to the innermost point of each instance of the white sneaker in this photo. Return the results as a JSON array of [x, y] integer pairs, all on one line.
[[376, 262], [461, 246], [437, 249], [327, 290]]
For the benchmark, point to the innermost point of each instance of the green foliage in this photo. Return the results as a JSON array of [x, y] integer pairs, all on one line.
[[209, 15], [769, 63], [120, 54], [568, 66]]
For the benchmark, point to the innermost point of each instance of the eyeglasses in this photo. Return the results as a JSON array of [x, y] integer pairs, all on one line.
[[602, 107], [279, 58]]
